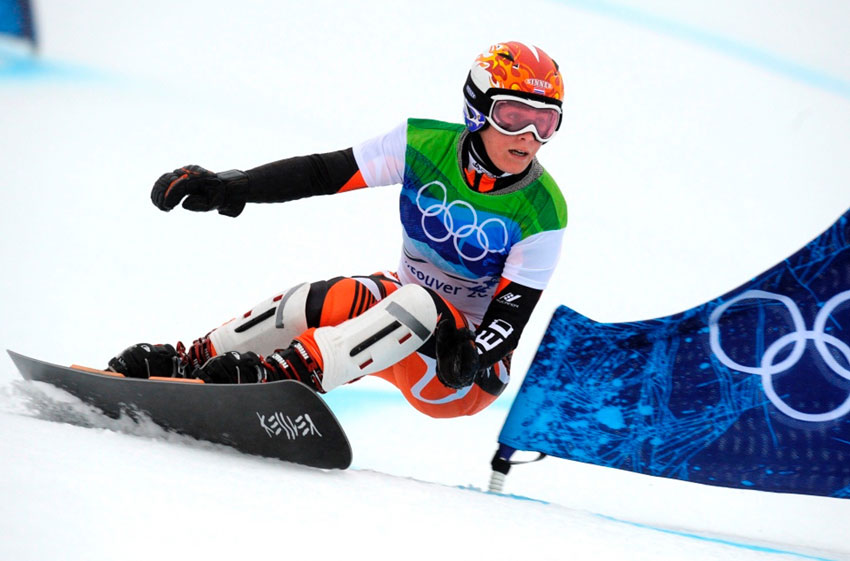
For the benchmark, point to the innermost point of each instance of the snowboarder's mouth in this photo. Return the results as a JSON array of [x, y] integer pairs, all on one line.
[[518, 153]]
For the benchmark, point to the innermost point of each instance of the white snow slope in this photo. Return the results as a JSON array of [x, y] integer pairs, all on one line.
[[703, 142]]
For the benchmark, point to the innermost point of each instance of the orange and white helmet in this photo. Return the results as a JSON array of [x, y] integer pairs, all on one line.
[[515, 88]]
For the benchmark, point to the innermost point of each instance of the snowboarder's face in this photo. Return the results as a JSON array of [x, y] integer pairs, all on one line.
[[510, 153]]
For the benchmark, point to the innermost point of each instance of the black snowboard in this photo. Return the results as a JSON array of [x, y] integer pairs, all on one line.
[[284, 420]]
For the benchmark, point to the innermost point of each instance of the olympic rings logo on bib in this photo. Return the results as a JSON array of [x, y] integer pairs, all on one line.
[[798, 338], [473, 241]]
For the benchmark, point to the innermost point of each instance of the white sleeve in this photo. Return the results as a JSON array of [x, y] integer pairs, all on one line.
[[532, 261], [381, 159]]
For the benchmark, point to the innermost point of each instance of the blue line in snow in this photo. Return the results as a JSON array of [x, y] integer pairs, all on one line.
[[730, 543], [23, 65], [344, 403], [15, 65], [714, 41], [502, 495]]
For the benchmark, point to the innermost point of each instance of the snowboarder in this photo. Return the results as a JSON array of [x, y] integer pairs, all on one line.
[[482, 224]]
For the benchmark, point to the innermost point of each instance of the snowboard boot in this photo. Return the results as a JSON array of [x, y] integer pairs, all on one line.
[[292, 363], [295, 363], [196, 355], [145, 360]]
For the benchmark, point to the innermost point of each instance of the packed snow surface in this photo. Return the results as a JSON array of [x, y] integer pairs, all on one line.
[[701, 144]]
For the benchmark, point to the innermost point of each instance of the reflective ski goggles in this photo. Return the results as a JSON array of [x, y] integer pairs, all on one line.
[[513, 115]]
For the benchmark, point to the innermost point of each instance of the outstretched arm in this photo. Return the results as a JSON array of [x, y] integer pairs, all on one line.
[[377, 161], [285, 180], [303, 176]]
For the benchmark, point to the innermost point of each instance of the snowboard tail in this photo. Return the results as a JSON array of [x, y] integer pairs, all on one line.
[[284, 420]]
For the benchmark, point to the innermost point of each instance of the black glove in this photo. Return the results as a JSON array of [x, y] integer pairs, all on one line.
[[457, 355], [203, 189]]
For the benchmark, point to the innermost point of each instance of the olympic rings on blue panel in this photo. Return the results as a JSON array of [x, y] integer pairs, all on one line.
[[798, 338]]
